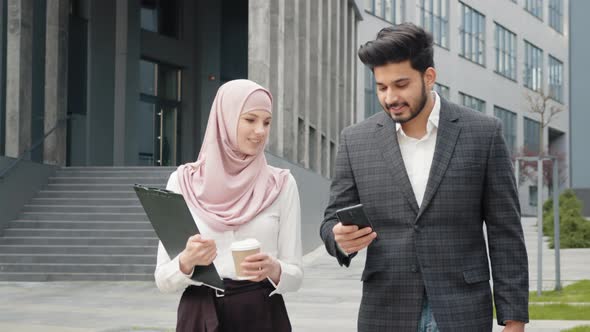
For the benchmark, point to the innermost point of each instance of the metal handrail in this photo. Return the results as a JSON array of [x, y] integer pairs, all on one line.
[[33, 147]]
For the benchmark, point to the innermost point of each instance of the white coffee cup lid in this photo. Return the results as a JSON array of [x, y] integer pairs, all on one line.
[[247, 244]]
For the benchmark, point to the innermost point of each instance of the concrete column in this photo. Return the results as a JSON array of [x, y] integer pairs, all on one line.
[[336, 45], [291, 80], [326, 84], [19, 54], [259, 12], [276, 44], [56, 81], [352, 66], [208, 54], [120, 86], [304, 78], [101, 79], [314, 83], [343, 64], [332, 97], [190, 114], [126, 85], [2, 74], [263, 57]]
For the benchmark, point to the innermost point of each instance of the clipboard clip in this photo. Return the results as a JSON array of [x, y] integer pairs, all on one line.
[[153, 189]]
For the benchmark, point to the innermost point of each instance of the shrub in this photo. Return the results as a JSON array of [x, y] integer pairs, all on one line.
[[574, 228]]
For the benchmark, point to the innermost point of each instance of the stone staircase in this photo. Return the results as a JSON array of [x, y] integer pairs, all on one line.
[[86, 224]]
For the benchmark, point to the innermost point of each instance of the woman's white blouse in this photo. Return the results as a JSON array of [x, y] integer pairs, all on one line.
[[277, 228]]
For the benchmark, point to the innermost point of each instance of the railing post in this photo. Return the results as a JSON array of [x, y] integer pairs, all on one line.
[[539, 225], [556, 223]]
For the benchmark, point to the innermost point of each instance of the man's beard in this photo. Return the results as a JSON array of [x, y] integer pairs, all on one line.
[[413, 113]]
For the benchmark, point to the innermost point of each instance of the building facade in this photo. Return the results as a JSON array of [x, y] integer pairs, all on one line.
[[580, 117], [490, 56], [130, 83]]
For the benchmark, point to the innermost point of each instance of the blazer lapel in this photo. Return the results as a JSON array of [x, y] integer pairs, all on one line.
[[446, 139], [386, 139]]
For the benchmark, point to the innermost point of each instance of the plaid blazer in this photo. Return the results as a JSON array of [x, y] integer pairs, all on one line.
[[438, 249]]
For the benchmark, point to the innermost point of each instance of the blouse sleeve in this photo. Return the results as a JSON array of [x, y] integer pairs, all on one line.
[[169, 278], [289, 241]]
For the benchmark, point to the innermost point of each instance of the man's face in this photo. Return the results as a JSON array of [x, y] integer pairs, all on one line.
[[402, 90]]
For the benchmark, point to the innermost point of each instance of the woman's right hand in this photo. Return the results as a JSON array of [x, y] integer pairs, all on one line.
[[198, 251]]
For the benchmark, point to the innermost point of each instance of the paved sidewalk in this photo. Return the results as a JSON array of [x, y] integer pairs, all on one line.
[[328, 301], [575, 263]]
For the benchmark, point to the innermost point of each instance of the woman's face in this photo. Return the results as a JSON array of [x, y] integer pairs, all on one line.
[[253, 129]]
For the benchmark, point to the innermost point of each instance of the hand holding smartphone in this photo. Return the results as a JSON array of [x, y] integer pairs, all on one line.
[[354, 215]]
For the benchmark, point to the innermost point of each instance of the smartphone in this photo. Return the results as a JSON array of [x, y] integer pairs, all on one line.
[[354, 215]]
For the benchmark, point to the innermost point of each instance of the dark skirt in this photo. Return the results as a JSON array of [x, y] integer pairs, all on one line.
[[245, 306]]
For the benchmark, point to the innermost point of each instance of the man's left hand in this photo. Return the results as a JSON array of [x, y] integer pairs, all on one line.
[[513, 326]]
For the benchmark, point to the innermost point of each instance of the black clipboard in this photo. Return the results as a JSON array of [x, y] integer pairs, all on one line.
[[173, 223]]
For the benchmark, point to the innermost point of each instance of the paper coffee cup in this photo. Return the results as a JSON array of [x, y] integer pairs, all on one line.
[[241, 250]]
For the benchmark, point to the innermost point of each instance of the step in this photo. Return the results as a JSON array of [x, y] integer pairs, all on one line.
[[160, 181], [122, 174], [78, 249], [97, 202], [76, 259], [95, 225], [131, 208], [78, 268], [98, 187], [151, 241], [86, 194], [39, 277], [79, 216], [97, 233], [119, 168]]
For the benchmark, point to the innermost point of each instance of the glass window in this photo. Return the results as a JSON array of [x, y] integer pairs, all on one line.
[[159, 80], [161, 16], [508, 119], [533, 195], [556, 15], [372, 105], [533, 67], [147, 74], [472, 102], [531, 135], [555, 79], [389, 10], [168, 82], [505, 52], [442, 90], [434, 17], [534, 7], [472, 34]]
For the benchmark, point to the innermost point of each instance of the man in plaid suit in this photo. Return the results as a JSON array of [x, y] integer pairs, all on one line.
[[429, 173]]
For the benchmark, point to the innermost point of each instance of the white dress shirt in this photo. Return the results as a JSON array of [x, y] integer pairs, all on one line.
[[277, 228], [418, 153]]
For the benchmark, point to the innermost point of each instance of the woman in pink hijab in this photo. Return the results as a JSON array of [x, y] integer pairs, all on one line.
[[235, 196]]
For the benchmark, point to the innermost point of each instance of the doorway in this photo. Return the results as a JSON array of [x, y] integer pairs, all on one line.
[[158, 114]]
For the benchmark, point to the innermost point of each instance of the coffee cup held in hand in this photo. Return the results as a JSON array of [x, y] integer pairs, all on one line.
[[241, 250]]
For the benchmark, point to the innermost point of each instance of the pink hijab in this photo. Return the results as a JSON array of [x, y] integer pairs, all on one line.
[[225, 187]]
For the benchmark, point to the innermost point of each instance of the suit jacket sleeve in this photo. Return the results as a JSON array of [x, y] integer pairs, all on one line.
[[343, 193], [507, 249]]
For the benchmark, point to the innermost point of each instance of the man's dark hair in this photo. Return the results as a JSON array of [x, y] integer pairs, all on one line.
[[397, 44]]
